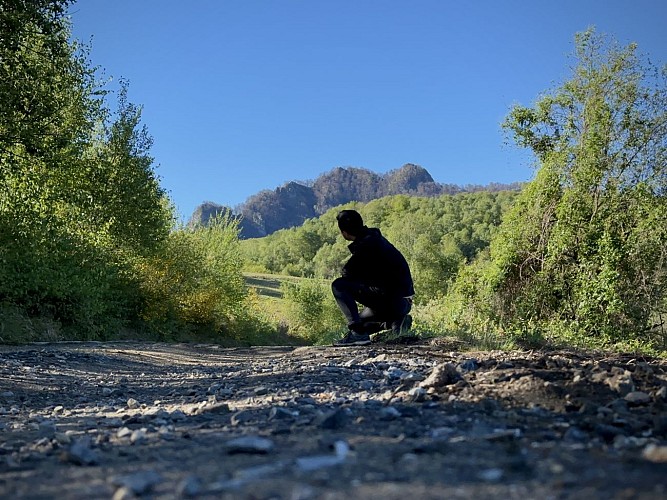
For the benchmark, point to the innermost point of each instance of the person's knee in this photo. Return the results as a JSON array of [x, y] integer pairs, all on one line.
[[340, 287]]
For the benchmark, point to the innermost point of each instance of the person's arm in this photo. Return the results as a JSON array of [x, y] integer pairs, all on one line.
[[357, 265], [350, 269]]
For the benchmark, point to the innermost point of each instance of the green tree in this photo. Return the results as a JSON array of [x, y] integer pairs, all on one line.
[[123, 189], [312, 311], [36, 72], [47, 260], [79, 200], [329, 259], [585, 245]]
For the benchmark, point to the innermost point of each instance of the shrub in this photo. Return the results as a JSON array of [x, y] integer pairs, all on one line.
[[194, 282], [312, 311]]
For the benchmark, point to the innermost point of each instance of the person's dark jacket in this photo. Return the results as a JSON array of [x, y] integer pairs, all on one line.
[[377, 263]]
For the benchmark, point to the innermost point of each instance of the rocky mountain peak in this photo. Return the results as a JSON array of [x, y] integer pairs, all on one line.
[[292, 203]]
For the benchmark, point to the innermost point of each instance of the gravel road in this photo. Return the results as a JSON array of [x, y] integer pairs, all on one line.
[[151, 420]]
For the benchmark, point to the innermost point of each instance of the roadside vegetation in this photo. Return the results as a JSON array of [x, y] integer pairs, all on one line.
[[90, 249]]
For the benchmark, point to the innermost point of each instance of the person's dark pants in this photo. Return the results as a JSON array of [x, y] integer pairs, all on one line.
[[380, 309]]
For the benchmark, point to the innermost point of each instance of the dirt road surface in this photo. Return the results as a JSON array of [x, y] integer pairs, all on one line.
[[146, 420]]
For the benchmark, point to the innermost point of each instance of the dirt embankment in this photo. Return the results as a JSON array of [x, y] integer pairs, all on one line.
[[125, 420]]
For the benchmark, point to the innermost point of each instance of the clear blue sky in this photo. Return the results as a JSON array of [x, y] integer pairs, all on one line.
[[245, 95]]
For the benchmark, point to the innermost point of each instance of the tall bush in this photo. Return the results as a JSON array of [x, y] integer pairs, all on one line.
[[584, 249], [194, 284], [79, 199], [312, 312]]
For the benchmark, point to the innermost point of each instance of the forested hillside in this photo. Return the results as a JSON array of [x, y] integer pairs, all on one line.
[[295, 202]]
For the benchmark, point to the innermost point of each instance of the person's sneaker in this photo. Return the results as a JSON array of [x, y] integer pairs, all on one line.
[[352, 339]]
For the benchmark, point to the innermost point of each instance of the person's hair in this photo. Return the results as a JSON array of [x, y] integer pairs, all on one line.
[[350, 221]]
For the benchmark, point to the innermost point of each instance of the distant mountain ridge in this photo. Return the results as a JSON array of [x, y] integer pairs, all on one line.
[[294, 202]]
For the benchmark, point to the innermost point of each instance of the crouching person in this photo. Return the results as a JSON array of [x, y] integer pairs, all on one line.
[[376, 276]]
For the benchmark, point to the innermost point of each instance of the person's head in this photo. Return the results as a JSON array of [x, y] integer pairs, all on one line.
[[350, 224]]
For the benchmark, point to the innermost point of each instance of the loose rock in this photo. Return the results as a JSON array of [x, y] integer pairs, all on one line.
[[81, 452], [442, 375], [139, 483], [249, 444]]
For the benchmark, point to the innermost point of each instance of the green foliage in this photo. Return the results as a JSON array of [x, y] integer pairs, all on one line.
[[312, 312], [72, 279], [194, 283], [85, 244], [54, 262], [582, 254], [122, 188]]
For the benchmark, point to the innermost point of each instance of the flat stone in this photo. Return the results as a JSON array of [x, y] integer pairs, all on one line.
[[216, 408], [441, 375], [138, 436], [123, 432], [655, 453], [189, 487], [139, 483], [241, 417], [177, 416], [621, 381], [469, 365], [316, 462], [47, 428], [249, 444], [279, 413], [417, 394], [637, 398], [491, 475], [661, 393], [335, 419], [81, 452], [389, 413]]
